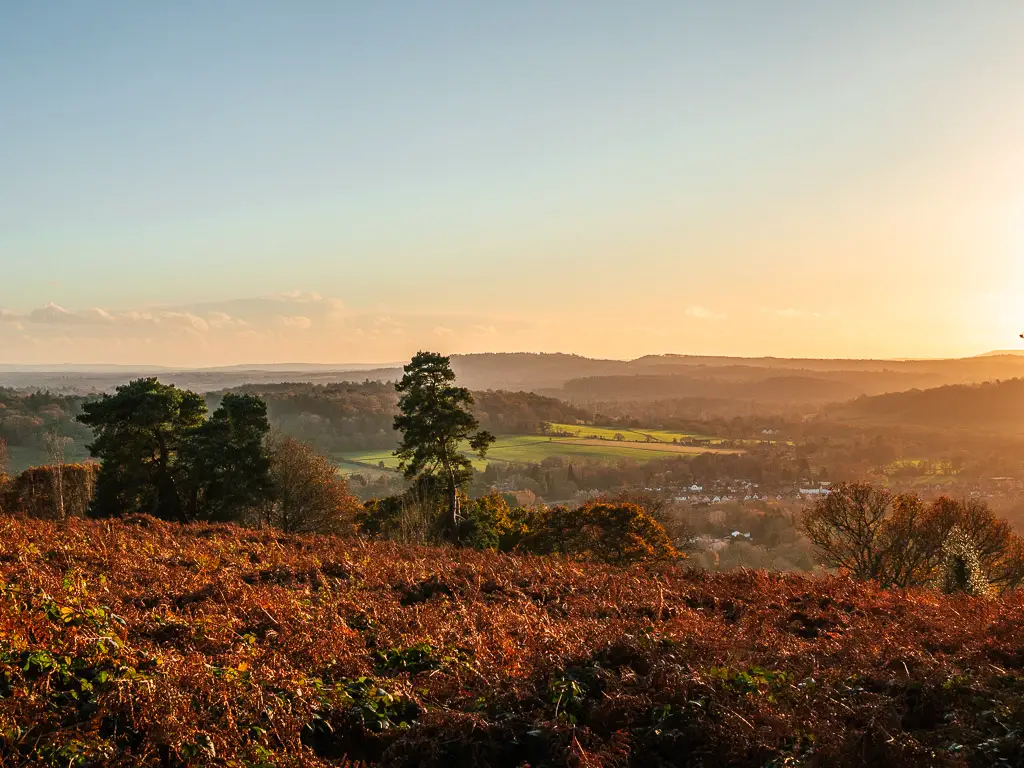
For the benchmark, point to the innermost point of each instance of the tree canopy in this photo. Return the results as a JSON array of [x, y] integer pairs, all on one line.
[[436, 421], [309, 494], [161, 455], [897, 539]]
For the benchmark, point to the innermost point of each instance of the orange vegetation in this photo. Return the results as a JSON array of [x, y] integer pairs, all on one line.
[[139, 642]]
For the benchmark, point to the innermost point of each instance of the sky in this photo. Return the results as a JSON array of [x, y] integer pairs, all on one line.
[[197, 183]]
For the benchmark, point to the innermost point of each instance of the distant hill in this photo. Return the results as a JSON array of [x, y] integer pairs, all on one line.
[[747, 383], [302, 367], [992, 407], [789, 388], [560, 375]]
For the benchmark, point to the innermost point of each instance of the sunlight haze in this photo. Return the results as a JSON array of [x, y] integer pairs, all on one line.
[[196, 184]]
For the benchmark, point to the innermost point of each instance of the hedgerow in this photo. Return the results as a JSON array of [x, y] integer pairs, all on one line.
[[141, 642]]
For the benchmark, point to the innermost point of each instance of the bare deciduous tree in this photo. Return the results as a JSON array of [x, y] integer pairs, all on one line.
[[897, 540]]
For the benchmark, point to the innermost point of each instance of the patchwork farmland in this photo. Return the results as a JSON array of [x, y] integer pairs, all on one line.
[[571, 441]]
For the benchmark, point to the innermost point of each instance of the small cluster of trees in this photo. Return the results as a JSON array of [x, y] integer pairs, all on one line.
[[161, 453], [898, 540]]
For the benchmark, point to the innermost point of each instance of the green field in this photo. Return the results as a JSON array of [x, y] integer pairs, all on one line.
[[650, 435], [631, 435], [532, 449]]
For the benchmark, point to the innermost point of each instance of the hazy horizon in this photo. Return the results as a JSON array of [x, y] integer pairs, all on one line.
[[355, 366], [252, 183]]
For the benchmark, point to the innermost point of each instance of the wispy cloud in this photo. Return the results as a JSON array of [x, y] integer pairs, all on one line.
[[286, 327]]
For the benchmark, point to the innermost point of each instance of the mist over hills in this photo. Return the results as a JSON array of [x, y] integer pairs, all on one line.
[[579, 379]]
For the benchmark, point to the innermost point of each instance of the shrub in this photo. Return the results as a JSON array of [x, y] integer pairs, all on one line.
[[961, 570], [624, 533], [660, 509], [619, 533], [35, 491]]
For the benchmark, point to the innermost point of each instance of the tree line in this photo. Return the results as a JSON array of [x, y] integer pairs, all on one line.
[[359, 416]]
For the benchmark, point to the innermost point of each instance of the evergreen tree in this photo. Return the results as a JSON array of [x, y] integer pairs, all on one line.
[[140, 432], [229, 465], [160, 455], [435, 422]]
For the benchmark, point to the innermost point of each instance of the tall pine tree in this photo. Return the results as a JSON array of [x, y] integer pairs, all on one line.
[[436, 425]]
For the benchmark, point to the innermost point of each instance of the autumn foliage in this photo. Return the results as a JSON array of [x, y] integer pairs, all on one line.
[[308, 493], [142, 642], [603, 531], [899, 540], [35, 491]]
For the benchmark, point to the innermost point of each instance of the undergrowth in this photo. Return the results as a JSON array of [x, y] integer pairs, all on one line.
[[138, 642]]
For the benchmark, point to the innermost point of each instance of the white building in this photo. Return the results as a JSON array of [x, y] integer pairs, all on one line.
[[814, 491]]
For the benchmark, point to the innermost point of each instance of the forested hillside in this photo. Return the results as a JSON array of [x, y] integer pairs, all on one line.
[[773, 390], [995, 407]]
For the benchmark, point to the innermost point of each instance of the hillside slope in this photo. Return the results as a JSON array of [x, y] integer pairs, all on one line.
[[994, 407], [144, 643]]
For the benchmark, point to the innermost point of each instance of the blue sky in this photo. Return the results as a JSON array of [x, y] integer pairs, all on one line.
[[613, 179]]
